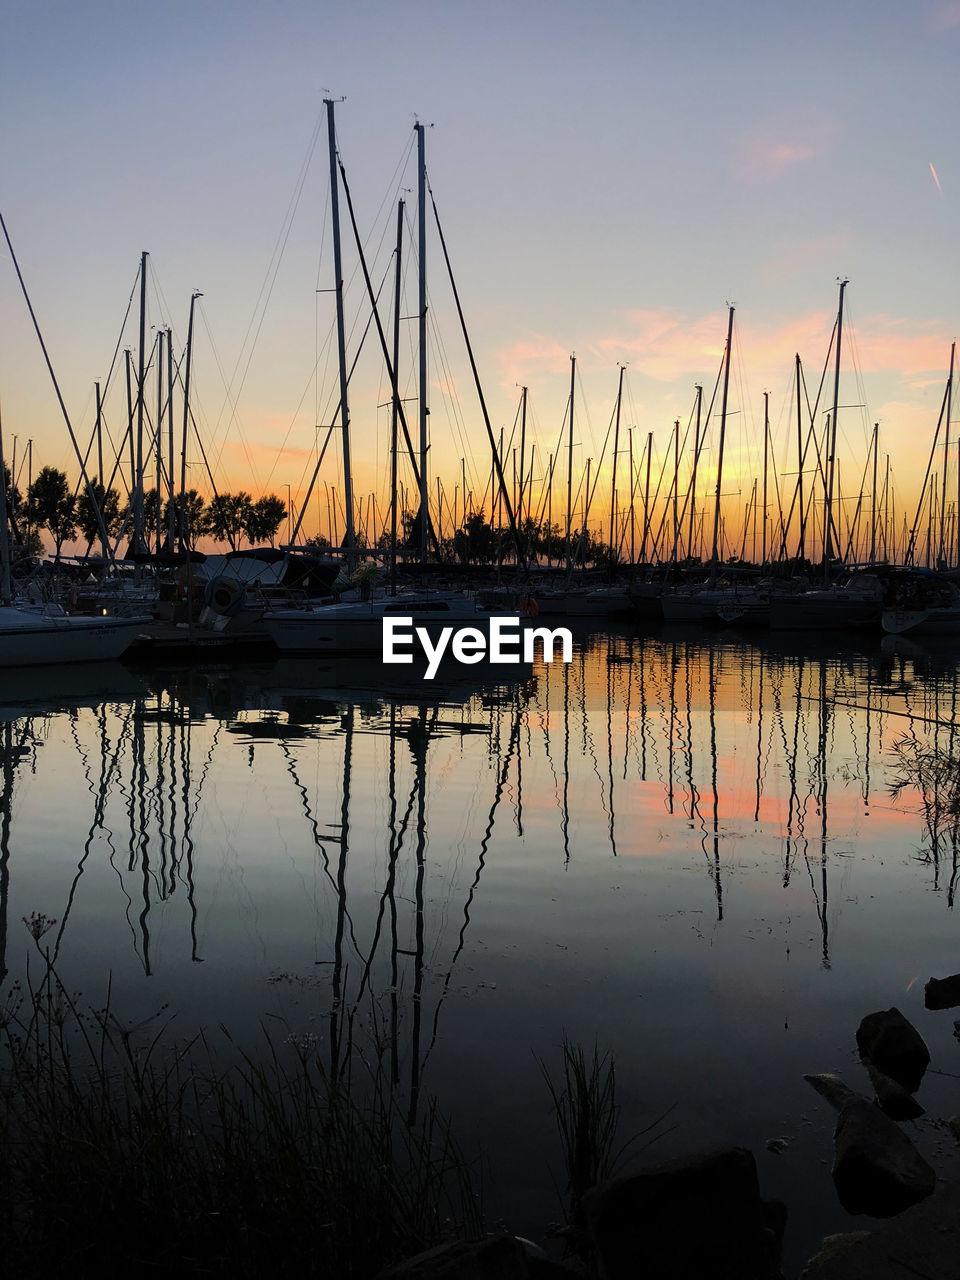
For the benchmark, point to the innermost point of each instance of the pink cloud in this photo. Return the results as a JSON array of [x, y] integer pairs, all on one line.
[[668, 346], [762, 157], [539, 353]]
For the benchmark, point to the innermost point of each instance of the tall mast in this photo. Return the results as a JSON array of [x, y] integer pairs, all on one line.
[[633, 557], [800, 463], [128, 371], [832, 456], [349, 536], [613, 478], [766, 452], [6, 592], [723, 431], [942, 552], [422, 309], [693, 473], [676, 489], [96, 386], [171, 491], [158, 446], [523, 450], [646, 499], [188, 360], [573, 374], [396, 402], [138, 541], [873, 498]]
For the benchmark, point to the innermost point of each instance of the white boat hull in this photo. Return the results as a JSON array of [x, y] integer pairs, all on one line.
[[41, 640], [925, 622]]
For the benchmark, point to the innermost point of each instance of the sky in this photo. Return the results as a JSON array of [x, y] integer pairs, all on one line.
[[609, 179]]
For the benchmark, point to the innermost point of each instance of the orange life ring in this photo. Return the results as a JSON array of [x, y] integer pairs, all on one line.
[[529, 607]]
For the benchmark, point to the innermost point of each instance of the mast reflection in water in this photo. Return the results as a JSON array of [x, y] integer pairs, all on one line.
[[690, 851]]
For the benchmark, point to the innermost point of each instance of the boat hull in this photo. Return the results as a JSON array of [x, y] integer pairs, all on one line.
[[807, 612], [64, 641], [925, 622]]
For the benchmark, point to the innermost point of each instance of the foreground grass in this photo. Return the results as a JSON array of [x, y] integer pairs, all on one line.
[[135, 1155]]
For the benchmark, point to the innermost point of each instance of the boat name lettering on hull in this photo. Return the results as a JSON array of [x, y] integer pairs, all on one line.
[[505, 641]]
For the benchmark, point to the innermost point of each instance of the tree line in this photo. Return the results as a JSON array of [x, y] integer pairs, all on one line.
[[51, 504]]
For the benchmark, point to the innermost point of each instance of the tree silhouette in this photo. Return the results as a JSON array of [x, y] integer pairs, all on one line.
[[226, 516], [264, 518], [85, 512], [51, 506]]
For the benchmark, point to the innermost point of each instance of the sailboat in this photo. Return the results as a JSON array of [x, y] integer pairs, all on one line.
[[46, 635]]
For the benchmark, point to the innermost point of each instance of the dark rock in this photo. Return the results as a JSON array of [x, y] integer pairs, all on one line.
[[877, 1169], [942, 993], [832, 1089], [832, 1247], [496, 1258], [892, 1097], [688, 1219], [923, 1242], [895, 1046]]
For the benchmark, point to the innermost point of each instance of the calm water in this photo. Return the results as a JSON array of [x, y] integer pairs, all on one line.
[[685, 849]]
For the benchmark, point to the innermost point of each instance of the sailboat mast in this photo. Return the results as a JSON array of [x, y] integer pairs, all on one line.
[[188, 360], [349, 533], [646, 499], [170, 454], [6, 591], [800, 463], [422, 274], [693, 473], [828, 546], [397, 283], [96, 386], [946, 457], [613, 478], [523, 451], [723, 431], [873, 498], [138, 543], [573, 373], [766, 455]]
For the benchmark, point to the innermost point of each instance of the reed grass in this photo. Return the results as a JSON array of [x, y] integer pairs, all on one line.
[[120, 1151], [587, 1113]]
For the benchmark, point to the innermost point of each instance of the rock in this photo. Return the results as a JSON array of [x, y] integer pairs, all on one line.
[[832, 1247], [895, 1046], [922, 1242], [942, 993], [877, 1169], [833, 1089], [495, 1258], [701, 1216], [892, 1097], [953, 1124]]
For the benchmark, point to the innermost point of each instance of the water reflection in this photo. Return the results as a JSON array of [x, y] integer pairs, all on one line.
[[353, 850]]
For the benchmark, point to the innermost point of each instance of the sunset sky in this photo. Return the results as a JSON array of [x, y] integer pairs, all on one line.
[[609, 178]]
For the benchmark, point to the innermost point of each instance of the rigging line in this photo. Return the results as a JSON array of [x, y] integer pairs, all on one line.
[[234, 418], [307, 387], [116, 350], [330, 429], [53, 377], [273, 265]]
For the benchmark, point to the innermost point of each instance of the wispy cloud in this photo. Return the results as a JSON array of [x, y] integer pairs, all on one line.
[[764, 155], [670, 347]]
